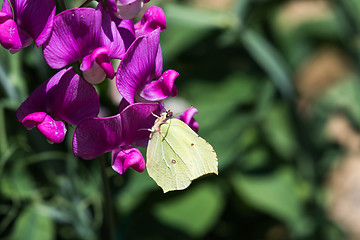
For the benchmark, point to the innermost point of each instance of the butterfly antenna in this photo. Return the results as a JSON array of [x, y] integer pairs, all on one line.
[[179, 113]]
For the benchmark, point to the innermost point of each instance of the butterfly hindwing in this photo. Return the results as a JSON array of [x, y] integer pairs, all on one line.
[[176, 155]]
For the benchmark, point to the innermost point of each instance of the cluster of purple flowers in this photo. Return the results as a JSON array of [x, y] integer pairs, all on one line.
[[92, 38]]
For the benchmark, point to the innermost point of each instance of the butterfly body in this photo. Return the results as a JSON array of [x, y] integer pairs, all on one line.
[[177, 155]]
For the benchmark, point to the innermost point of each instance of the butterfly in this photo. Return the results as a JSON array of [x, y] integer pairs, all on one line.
[[176, 155]]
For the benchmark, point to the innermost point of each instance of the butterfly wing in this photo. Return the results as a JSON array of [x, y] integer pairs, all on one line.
[[176, 155]]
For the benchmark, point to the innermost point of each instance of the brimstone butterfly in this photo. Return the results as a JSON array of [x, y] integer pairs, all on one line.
[[176, 155]]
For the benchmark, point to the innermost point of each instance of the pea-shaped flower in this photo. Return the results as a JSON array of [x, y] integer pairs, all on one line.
[[66, 97], [134, 78], [96, 136], [25, 21], [90, 36], [125, 9]]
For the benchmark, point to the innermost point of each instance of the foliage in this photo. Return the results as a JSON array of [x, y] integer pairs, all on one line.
[[250, 68]]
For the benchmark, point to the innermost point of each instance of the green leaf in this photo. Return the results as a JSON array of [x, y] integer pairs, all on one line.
[[138, 185], [279, 132], [223, 121], [277, 194], [18, 184], [187, 26], [343, 95], [269, 59], [195, 211], [353, 9], [5, 83], [32, 224]]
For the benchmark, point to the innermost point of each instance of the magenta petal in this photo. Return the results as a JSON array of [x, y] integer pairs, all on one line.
[[66, 96], [117, 34], [27, 16], [71, 98], [126, 157], [188, 118], [93, 137], [33, 119], [122, 105], [137, 66], [4, 16], [11, 36], [39, 28], [76, 33], [104, 61], [158, 63], [162, 88], [53, 130], [153, 18], [97, 65], [86, 63], [125, 2], [127, 9], [6, 8], [110, 5]]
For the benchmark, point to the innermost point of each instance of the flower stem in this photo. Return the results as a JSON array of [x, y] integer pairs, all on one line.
[[85, 3], [109, 219]]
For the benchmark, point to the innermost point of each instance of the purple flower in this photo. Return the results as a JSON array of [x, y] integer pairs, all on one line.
[[188, 118], [91, 36], [126, 157], [66, 97], [95, 136], [25, 21], [138, 68], [126, 9], [154, 17]]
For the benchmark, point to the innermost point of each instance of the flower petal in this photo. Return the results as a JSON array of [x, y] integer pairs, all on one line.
[[117, 34], [71, 98], [126, 157], [154, 17], [102, 58], [33, 119], [76, 33], [127, 9], [66, 96], [95, 74], [122, 105], [162, 88], [6, 7], [53, 130], [27, 14], [188, 118], [158, 63], [97, 66], [11, 36], [95, 136], [110, 5], [137, 66]]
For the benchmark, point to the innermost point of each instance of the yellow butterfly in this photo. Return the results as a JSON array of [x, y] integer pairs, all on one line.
[[176, 155]]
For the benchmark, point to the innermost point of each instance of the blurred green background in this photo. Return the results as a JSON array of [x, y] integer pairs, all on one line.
[[277, 87]]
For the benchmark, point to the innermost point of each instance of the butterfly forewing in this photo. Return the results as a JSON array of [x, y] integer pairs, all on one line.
[[176, 155]]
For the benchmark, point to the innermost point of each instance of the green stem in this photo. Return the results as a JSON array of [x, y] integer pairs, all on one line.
[[109, 219], [4, 143]]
